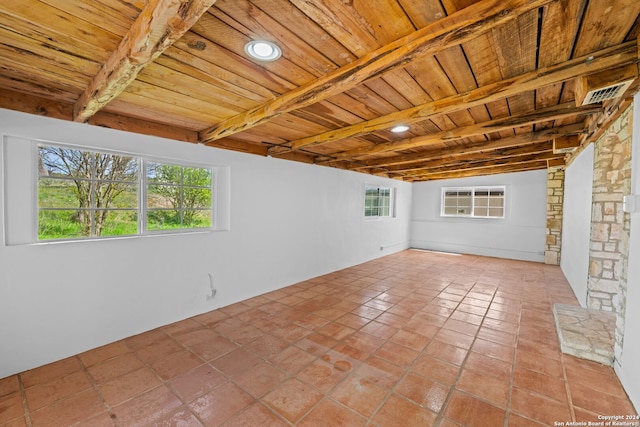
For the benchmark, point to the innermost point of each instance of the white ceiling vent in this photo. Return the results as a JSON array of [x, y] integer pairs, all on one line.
[[607, 84], [609, 92]]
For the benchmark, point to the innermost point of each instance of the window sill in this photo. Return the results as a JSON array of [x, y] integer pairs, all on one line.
[[114, 238]]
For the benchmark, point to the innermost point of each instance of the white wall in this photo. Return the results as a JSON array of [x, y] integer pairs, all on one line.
[[628, 369], [576, 223], [521, 235], [288, 222]]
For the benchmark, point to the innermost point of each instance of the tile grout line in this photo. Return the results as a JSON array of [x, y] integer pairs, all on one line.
[[335, 386], [157, 375], [562, 363], [452, 390], [94, 385], [404, 375], [257, 400], [25, 405], [513, 365], [390, 391], [291, 376], [567, 388]]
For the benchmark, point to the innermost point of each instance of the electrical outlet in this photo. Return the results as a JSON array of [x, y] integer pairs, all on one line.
[[212, 293]]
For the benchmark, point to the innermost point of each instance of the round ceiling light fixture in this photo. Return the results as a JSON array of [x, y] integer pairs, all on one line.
[[263, 50], [399, 128]]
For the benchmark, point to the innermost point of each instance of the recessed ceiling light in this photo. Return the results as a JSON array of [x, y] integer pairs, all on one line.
[[399, 128], [263, 50]]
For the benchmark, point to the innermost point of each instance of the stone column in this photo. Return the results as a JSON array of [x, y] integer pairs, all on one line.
[[555, 199], [608, 254]]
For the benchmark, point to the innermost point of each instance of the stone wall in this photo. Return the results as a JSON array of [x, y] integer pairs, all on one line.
[[609, 246], [555, 200]]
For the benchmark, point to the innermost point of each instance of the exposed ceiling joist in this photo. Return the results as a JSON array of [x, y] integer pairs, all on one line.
[[450, 31], [550, 113], [158, 26], [603, 60], [475, 147], [480, 171], [537, 148]]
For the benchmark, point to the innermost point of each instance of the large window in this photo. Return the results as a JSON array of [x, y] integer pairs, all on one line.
[[89, 194], [378, 202], [482, 202]]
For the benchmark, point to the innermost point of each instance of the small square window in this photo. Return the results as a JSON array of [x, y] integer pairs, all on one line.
[[378, 202]]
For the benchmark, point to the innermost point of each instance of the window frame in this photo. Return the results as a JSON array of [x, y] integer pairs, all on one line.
[[390, 198], [473, 199], [141, 183]]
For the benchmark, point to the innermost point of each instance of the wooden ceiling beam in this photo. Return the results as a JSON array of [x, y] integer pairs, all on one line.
[[452, 30], [605, 59], [554, 163], [142, 126], [503, 154], [484, 164], [555, 112], [476, 147], [158, 26], [31, 104], [510, 168], [19, 101]]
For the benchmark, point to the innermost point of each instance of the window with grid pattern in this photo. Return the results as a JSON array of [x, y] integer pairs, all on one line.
[[480, 202], [91, 194], [378, 202]]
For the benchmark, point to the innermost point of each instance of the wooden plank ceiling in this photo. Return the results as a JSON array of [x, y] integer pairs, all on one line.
[[486, 86]]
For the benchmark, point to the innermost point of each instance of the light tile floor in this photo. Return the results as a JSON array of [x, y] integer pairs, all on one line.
[[411, 339]]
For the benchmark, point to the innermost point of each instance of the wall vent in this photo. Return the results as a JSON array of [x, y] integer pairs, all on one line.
[[607, 84], [608, 92]]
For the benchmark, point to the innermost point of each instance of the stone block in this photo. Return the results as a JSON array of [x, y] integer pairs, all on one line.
[[596, 212], [597, 175], [609, 208], [600, 296], [610, 286], [554, 224], [599, 232], [551, 258], [616, 231], [605, 255], [607, 195], [595, 246], [617, 161], [595, 268], [594, 303], [585, 333]]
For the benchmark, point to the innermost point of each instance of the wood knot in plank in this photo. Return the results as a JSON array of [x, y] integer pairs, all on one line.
[[198, 44]]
